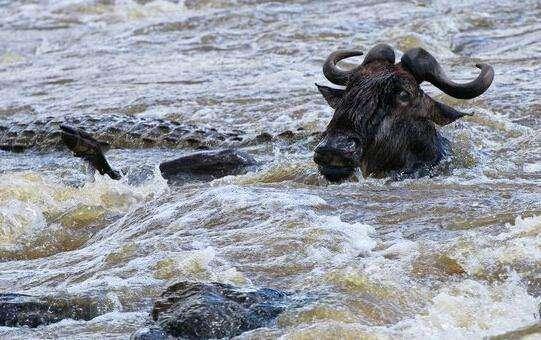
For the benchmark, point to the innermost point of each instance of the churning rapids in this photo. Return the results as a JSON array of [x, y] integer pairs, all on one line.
[[455, 256]]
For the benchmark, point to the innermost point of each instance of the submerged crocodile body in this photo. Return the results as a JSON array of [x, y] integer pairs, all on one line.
[[128, 132]]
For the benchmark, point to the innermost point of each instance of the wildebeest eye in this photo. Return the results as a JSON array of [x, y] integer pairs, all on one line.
[[404, 97]]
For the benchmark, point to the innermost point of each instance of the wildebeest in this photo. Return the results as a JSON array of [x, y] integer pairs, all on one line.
[[383, 121]]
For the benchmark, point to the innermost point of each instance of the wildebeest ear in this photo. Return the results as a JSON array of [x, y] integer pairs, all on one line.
[[442, 114], [331, 95]]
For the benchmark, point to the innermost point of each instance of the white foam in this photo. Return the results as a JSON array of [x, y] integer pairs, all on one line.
[[532, 167], [17, 219], [473, 309], [354, 239], [518, 245], [31, 202]]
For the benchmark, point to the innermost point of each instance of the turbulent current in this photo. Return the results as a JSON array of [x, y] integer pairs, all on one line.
[[455, 256]]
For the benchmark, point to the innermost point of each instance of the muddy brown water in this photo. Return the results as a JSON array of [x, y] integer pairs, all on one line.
[[455, 256]]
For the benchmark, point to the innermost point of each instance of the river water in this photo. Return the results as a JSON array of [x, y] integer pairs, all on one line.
[[455, 256]]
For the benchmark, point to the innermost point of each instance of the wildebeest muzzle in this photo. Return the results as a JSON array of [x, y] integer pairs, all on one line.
[[337, 156]]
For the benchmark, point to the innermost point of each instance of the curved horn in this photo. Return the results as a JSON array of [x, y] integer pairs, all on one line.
[[424, 66], [332, 72], [380, 52]]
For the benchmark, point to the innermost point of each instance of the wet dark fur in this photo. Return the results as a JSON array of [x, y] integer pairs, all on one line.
[[396, 137]]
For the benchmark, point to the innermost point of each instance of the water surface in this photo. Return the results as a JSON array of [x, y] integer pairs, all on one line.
[[454, 256]]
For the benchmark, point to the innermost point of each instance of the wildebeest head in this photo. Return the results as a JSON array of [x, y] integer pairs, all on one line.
[[382, 102]]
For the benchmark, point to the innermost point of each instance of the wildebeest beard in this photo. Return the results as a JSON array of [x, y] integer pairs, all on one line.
[[383, 122]]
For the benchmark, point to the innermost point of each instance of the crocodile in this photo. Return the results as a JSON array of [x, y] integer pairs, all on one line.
[[216, 153], [129, 132]]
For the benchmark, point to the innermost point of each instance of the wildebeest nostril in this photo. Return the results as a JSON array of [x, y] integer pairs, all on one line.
[[331, 156], [322, 155]]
